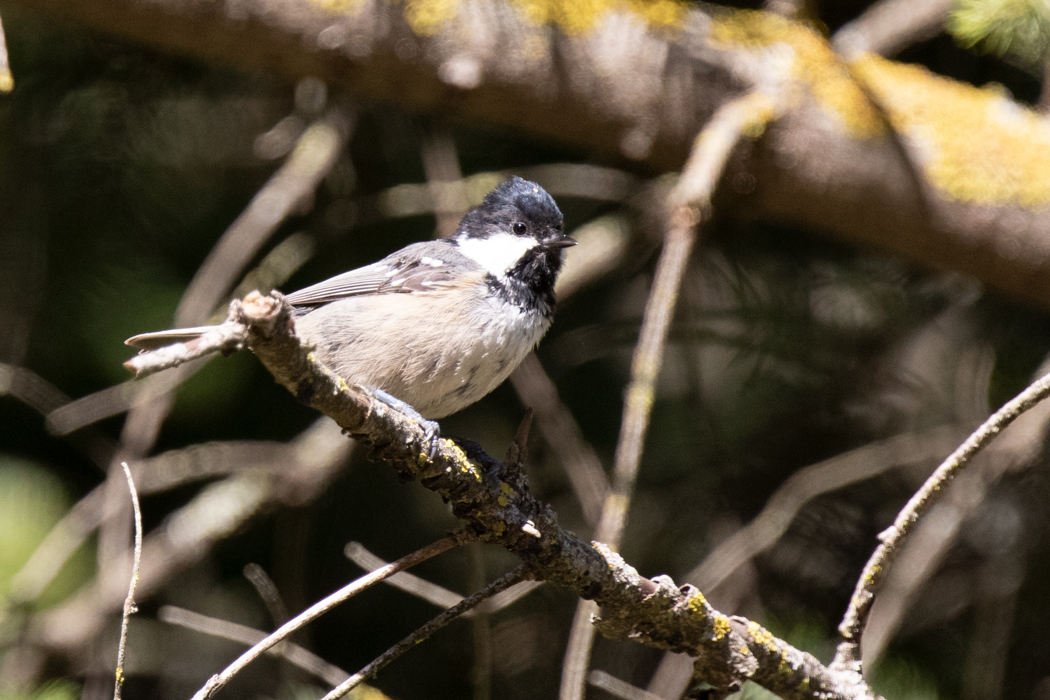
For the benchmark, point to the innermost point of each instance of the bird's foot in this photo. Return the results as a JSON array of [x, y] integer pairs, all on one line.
[[431, 429]]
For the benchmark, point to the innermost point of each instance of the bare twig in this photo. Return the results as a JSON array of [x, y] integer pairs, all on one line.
[[324, 605], [1018, 447], [889, 26], [806, 484], [264, 474], [267, 591], [621, 689], [500, 584], [847, 655], [409, 583], [242, 634], [44, 398], [225, 338], [686, 203], [431, 592], [129, 602], [289, 190]]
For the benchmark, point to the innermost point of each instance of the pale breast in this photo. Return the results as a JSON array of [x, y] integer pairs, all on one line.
[[436, 357]]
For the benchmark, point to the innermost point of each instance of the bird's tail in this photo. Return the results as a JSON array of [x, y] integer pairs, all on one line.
[[158, 339]]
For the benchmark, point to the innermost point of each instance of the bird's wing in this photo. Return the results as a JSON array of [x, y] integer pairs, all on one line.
[[410, 270]]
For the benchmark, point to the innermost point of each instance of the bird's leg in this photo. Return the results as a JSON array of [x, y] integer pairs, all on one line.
[[431, 430]]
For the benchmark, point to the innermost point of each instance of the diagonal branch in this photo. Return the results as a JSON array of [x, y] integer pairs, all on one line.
[[495, 502], [847, 655], [324, 605], [469, 603]]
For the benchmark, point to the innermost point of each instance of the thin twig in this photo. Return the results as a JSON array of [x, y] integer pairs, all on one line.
[[225, 338], [284, 194], [327, 603], [249, 636], [847, 655], [502, 583], [268, 592], [889, 26], [129, 602], [621, 689], [409, 583], [686, 203], [1019, 447], [806, 484], [432, 592]]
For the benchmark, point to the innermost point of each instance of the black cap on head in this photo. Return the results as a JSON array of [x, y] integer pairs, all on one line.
[[512, 201]]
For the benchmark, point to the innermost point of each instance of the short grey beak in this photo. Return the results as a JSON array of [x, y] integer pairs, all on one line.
[[563, 242]]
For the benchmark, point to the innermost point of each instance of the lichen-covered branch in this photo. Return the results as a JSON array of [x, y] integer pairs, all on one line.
[[494, 502], [638, 80]]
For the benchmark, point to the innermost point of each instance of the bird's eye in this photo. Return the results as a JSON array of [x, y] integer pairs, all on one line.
[[520, 228]]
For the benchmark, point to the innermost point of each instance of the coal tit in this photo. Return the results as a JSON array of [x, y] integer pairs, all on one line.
[[439, 324]]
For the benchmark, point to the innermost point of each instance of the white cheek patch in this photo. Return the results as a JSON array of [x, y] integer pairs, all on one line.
[[497, 253]]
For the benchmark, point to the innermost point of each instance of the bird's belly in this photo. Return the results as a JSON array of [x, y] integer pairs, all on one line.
[[436, 359]]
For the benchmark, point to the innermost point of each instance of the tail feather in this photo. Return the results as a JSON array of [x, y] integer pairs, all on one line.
[[158, 339]]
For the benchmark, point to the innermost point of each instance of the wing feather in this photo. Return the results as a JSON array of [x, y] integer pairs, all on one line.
[[410, 270]]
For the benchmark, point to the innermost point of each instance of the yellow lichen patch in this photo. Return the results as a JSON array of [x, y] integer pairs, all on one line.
[[507, 489], [501, 499], [425, 17], [763, 636], [339, 6], [575, 17], [460, 459], [814, 63], [974, 144], [660, 13], [720, 627], [698, 607]]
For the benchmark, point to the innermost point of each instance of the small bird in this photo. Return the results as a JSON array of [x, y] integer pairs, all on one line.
[[438, 324]]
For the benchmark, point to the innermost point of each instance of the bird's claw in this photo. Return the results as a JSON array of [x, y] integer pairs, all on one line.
[[431, 429]]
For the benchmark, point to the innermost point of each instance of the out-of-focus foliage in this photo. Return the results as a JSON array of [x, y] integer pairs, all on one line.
[[1018, 29], [55, 690], [32, 500]]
